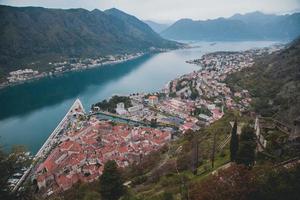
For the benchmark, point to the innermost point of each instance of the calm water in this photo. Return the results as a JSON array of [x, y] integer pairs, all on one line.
[[30, 112]]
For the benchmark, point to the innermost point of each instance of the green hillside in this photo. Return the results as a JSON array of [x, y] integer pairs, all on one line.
[[274, 83], [39, 35]]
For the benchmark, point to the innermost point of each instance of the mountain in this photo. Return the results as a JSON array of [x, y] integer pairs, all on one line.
[[157, 27], [250, 26], [37, 35], [274, 83]]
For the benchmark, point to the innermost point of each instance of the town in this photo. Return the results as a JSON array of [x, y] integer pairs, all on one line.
[[72, 64], [127, 128]]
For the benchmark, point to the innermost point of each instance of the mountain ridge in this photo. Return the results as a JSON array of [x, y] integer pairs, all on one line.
[[250, 26], [157, 27], [36, 34]]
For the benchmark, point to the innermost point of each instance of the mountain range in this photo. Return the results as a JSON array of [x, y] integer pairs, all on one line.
[[250, 26], [35, 34], [157, 27]]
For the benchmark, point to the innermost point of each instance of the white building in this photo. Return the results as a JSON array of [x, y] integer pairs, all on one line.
[[120, 110]]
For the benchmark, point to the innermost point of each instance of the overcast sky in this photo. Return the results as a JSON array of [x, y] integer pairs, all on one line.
[[171, 10]]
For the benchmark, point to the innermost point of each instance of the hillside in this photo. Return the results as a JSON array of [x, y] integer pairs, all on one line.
[[274, 82], [251, 26], [157, 27], [40, 35], [176, 172]]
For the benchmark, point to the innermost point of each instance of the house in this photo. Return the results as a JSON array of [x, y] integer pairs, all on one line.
[[153, 100], [135, 109]]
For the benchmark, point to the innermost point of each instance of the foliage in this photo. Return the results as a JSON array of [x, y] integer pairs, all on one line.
[[111, 184], [56, 35], [273, 82], [247, 145], [9, 164], [111, 105], [202, 110], [153, 123], [172, 94], [234, 142]]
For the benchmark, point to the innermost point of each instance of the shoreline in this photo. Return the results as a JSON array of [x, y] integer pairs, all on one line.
[[42, 75]]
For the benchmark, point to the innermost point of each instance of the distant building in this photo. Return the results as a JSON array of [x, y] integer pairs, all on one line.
[[135, 109], [120, 110], [189, 126], [204, 117], [153, 100]]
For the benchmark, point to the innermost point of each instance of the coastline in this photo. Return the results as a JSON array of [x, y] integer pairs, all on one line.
[[91, 66]]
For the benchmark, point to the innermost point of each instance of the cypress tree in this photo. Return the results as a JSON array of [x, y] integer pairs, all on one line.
[[234, 143], [246, 152], [111, 184]]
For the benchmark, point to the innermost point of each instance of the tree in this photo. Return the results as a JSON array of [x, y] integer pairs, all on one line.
[[111, 184], [153, 123], [246, 152], [234, 143], [10, 164]]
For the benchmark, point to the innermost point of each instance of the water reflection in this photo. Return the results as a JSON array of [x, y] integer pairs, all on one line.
[[21, 99]]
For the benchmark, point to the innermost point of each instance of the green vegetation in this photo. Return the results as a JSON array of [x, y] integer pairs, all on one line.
[[260, 183], [179, 162], [274, 84], [194, 91], [202, 110], [181, 84], [10, 164], [234, 143], [55, 35], [111, 104], [247, 145], [111, 184]]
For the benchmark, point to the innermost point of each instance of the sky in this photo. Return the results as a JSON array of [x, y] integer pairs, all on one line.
[[171, 10]]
